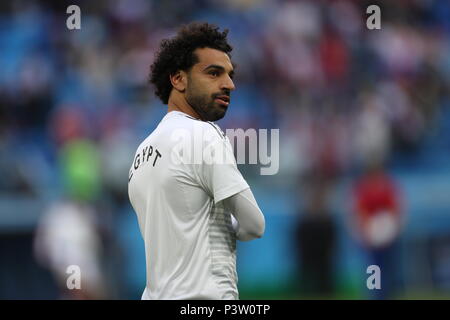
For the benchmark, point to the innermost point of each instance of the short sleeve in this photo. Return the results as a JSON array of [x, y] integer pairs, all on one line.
[[218, 173]]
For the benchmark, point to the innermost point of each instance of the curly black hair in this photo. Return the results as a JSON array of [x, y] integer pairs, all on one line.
[[178, 53]]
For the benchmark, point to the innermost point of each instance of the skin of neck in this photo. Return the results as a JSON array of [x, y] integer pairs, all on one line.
[[177, 102]]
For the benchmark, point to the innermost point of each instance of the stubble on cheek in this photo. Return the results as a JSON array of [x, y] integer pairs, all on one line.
[[203, 103]]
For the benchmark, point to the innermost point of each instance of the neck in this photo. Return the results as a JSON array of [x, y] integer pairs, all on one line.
[[181, 105]]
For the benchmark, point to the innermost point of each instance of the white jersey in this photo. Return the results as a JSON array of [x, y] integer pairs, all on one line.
[[190, 244]]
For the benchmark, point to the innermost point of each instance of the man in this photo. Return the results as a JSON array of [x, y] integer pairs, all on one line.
[[379, 220], [191, 201]]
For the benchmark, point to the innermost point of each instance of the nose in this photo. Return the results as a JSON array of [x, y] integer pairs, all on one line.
[[227, 84]]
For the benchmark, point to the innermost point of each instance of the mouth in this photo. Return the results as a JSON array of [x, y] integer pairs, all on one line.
[[223, 100]]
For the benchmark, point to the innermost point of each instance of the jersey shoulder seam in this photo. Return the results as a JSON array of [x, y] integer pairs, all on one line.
[[218, 130]]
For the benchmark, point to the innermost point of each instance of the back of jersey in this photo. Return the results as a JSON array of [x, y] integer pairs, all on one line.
[[189, 243]]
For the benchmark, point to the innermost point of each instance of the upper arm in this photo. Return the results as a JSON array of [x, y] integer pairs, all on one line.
[[218, 173]]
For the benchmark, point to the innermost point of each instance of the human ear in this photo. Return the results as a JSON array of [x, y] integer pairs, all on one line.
[[179, 80]]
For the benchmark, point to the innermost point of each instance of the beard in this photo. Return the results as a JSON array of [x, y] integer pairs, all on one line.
[[205, 105]]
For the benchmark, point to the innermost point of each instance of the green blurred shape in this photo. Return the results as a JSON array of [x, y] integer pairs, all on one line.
[[80, 166]]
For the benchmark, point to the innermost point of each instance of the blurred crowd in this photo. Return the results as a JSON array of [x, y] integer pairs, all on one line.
[[74, 104]]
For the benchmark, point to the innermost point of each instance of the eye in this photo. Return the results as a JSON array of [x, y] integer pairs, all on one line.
[[214, 73]]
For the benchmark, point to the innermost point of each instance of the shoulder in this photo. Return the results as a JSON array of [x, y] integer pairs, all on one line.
[[207, 130], [181, 129], [219, 131]]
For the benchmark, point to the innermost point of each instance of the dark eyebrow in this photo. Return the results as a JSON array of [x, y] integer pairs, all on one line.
[[215, 66]]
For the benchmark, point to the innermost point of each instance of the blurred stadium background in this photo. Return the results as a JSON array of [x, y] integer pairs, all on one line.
[[74, 105]]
